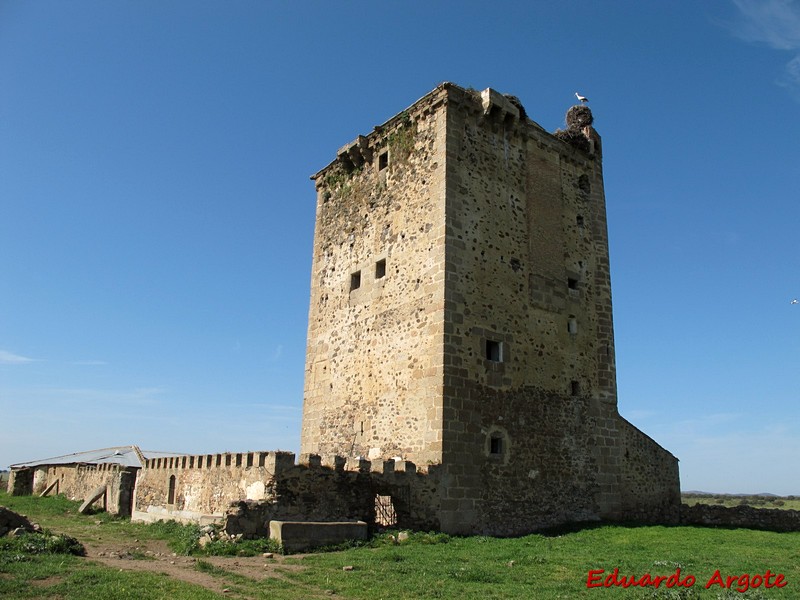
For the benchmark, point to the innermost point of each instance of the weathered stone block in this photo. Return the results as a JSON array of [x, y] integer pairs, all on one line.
[[296, 536]]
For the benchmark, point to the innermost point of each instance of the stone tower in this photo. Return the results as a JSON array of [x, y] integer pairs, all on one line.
[[461, 319]]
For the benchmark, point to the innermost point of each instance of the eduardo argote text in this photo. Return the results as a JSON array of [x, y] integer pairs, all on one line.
[[600, 578]]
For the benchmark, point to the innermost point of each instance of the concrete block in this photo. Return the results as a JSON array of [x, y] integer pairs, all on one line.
[[296, 536]]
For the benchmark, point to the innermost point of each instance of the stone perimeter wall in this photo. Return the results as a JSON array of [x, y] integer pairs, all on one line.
[[649, 479], [199, 488], [77, 481], [248, 490], [768, 519]]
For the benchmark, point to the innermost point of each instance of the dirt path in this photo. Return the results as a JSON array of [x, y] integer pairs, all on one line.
[[155, 557], [115, 546]]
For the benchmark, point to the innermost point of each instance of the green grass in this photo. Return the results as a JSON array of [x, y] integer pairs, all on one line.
[[425, 566], [72, 578], [557, 566]]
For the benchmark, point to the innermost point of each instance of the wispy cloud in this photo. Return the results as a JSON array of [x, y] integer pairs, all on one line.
[[9, 358], [49, 396], [792, 75], [775, 23]]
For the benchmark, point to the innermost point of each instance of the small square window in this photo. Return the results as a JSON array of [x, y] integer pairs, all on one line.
[[575, 388], [579, 220], [355, 281], [572, 325], [383, 160], [496, 444], [494, 351], [572, 283], [380, 269]]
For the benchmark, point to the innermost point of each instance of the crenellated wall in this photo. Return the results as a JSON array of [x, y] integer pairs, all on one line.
[[248, 490], [336, 489], [199, 488]]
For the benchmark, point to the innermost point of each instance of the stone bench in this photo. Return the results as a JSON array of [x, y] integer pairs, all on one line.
[[296, 536]]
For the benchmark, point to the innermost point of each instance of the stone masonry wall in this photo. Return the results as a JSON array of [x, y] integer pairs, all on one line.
[[334, 489], [527, 273], [740, 516], [374, 363], [77, 481], [650, 483], [520, 262], [248, 490], [20, 482], [200, 488]]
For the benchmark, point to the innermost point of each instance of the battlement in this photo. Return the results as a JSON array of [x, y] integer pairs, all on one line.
[[265, 485], [488, 105], [274, 463], [99, 468]]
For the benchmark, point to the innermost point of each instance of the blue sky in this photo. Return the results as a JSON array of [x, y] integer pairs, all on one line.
[[156, 213]]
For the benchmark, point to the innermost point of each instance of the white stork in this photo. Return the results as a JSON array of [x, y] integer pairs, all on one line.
[[583, 99]]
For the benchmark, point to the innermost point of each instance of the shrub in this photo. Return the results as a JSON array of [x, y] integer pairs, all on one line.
[[42, 543]]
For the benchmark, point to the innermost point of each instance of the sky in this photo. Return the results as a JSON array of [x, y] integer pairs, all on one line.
[[157, 217]]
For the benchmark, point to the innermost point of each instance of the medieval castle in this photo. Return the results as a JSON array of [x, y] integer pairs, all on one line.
[[460, 366]]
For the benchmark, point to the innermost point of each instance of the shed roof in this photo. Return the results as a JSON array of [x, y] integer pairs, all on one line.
[[126, 456]]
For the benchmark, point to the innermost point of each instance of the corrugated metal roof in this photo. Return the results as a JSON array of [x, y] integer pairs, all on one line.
[[118, 455]]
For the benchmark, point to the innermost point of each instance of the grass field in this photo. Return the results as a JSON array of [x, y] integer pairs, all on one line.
[[425, 566]]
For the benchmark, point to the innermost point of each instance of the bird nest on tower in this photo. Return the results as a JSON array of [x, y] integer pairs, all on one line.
[[579, 116], [574, 137]]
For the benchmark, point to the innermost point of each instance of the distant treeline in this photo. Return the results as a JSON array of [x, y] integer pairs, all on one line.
[[754, 500]]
